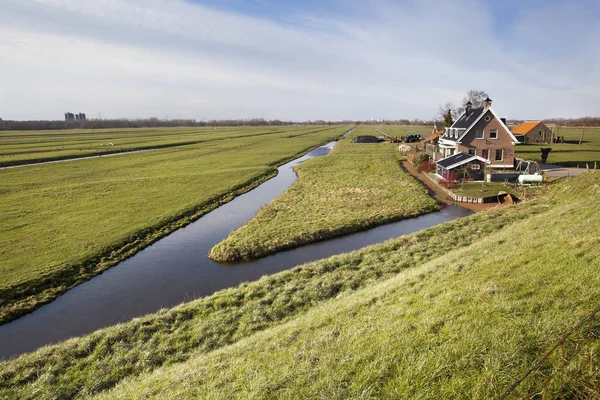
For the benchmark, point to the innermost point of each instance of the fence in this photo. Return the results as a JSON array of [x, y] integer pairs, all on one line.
[[569, 370]]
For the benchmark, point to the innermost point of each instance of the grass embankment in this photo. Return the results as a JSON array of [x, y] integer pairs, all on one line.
[[64, 223], [570, 153], [461, 310], [98, 361], [356, 187], [25, 147]]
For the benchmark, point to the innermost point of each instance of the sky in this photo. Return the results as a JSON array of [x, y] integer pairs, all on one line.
[[296, 60]]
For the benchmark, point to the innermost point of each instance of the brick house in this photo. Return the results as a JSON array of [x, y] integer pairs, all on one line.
[[533, 132], [480, 132]]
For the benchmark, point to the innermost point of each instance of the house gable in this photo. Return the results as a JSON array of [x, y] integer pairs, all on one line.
[[487, 117]]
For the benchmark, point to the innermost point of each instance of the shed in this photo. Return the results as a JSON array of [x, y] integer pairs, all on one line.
[[462, 163]]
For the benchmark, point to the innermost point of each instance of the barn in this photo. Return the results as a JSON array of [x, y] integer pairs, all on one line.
[[533, 132]]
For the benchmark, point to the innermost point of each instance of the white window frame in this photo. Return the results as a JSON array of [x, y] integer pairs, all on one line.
[[496, 155], [475, 166], [482, 134], [493, 130]]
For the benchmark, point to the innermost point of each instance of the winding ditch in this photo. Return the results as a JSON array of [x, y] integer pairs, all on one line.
[[177, 269]]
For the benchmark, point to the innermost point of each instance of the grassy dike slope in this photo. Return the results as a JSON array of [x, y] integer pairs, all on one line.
[[465, 325], [96, 362], [63, 223], [356, 187]]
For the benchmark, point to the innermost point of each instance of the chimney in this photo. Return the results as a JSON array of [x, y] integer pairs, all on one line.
[[487, 103], [468, 107], [503, 120]]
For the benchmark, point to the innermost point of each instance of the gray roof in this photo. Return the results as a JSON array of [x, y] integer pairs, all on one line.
[[458, 158], [466, 120]]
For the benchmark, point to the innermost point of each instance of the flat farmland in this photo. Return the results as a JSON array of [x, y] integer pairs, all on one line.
[[356, 187], [570, 153], [63, 223], [403, 130], [20, 147]]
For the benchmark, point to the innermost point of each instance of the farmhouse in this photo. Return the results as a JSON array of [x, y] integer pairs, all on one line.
[[533, 132], [477, 132]]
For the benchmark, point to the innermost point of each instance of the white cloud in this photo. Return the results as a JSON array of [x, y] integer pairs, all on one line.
[[134, 58]]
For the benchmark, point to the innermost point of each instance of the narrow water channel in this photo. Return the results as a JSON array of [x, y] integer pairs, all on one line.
[[176, 269]]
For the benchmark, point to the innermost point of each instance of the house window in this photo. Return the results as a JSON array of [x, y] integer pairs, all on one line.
[[539, 133], [499, 155], [479, 134], [493, 133], [485, 153], [472, 152], [475, 166], [487, 118]]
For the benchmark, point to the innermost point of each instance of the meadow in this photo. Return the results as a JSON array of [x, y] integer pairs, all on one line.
[[22, 147], [461, 310], [570, 153], [403, 130], [356, 187], [64, 223]]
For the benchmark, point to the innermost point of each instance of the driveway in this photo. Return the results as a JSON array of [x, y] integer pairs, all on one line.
[[555, 171]]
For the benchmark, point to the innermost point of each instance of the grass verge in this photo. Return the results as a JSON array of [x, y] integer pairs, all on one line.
[[356, 187]]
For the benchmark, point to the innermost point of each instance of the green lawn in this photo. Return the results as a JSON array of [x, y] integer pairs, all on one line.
[[19, 147], [570, 153], [461, 310], [356, 187], [63, 223], [477, 189]]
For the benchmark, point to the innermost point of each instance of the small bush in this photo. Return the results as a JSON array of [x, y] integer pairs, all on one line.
[[449, 179], [427, 166], [419, 158]]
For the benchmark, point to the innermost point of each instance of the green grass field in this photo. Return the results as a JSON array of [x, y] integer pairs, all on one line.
[[20, 147], [403, 130], [570, 153], [63, 223], [356, 187], [461, 310]]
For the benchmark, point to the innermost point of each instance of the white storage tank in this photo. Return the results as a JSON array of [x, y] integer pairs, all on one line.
[[535, 178]]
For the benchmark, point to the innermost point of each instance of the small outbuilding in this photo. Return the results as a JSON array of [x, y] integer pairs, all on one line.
[[462, 165], [533, 132]]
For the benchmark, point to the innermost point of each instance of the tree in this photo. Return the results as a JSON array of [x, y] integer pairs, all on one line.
[[448, 121], [477, 97], [443, 110]]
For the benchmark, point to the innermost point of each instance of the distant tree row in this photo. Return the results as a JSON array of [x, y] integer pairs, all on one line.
[[158, 123], [586, 121]]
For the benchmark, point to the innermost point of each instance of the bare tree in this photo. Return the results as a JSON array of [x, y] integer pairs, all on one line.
[[477, 97], [443, 110]]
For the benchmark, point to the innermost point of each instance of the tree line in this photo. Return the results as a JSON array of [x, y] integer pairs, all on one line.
[[160, 123]]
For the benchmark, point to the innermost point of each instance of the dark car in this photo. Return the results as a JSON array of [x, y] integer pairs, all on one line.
[[412, 138]]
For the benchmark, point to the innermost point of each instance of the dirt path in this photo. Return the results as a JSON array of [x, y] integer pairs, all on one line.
[[439, 194]]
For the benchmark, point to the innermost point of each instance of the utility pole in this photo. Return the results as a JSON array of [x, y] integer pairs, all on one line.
[[583, 130]]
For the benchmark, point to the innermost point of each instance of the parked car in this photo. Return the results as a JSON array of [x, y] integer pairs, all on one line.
[[412, 138]]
